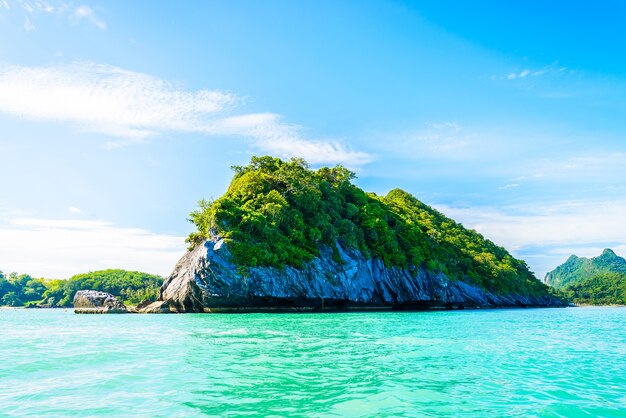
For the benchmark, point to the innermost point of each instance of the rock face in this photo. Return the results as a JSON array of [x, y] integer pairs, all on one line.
[[206, 280], [92, 301]]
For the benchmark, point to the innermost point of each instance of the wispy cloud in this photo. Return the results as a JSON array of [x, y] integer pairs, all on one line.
[[526, 73], [28, 27], [558, 82], [35, 6], [86, 13], [546, 234], [74, 209], [440, 141], [134, 106], [604, 168], [106, 99], [29, 10], [443, 137], [61, 248]]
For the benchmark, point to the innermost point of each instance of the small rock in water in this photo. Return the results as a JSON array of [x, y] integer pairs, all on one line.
[[93, 301], [143, 304]]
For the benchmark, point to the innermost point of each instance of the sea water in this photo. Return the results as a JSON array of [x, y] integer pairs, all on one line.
[[483, 363]]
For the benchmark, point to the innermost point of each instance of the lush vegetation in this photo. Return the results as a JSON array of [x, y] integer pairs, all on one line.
[[277, 213], [591, 281], [578, 269], [131, 287], [601, 289], [17, 290]]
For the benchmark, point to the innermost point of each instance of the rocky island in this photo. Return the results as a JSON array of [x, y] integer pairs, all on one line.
[[285, 237]]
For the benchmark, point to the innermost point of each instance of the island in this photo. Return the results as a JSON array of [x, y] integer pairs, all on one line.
[[285, 237]]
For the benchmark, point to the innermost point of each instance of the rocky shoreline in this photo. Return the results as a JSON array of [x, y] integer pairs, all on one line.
[[95, 302], [206, 280]]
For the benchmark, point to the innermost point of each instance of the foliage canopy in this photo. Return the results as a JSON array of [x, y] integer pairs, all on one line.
[[277, 213], [130, 286], [578, 269], [601, 289]]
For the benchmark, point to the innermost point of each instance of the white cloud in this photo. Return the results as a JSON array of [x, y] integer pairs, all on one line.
[[452, 126], [601, 170], [35, 6], [553, 69], [27, 25], [61, 248], [284, 140], [547, 234], [31, 8], [86, 13], [575, 222], [438, 141], [443, 137], [105, 99], [134, 106], [74, 209], [508, 186], [316, 152]]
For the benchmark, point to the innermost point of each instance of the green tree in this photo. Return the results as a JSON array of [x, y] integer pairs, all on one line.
[[131, 286], [11, 299]]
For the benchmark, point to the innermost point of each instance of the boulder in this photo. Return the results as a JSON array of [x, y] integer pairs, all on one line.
[[157, 307], [143, 304], [93, 301]]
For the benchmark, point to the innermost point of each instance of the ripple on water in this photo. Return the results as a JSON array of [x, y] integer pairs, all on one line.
[[552, 362]]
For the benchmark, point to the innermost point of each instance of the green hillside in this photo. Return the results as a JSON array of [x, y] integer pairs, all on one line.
[[578, 269], [601, 289], [277, 213]]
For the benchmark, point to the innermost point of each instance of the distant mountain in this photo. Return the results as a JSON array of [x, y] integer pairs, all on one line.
[[579, 269]]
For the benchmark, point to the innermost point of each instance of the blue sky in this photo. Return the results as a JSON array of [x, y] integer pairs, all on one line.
[[116, 117]]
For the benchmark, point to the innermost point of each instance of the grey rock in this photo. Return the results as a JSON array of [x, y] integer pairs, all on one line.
[[206, 280], [93, 301], [144, 303], [157, 307]]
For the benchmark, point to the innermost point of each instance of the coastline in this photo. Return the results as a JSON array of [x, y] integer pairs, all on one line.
[[312, 310], [347, 309]]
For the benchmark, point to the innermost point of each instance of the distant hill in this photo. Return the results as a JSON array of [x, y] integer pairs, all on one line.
[[579, 269], [130, 286], [601, 289]]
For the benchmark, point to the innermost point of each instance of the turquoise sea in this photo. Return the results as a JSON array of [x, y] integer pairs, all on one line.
[[485, 363]]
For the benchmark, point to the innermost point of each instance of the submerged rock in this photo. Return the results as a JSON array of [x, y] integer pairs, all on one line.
[[206, 280], [93, 301]]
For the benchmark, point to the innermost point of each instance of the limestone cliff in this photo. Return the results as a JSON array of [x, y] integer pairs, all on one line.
[[206, 280]]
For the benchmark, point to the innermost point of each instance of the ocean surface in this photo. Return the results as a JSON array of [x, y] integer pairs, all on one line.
[[485, 363]]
